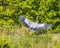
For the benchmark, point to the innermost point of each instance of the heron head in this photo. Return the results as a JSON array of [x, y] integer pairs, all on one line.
[[21, 18]]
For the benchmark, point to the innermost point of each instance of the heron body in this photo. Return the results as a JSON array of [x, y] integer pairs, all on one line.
[[33, 26]]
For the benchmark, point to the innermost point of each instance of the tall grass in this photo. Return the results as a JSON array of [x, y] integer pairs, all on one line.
[[23, 41], [16, 37]]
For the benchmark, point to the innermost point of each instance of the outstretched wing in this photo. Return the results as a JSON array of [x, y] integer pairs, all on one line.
[[26, 23], [43, 26]]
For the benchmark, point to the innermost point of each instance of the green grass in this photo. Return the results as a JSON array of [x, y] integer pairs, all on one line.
[[26, 41], [16, 37]]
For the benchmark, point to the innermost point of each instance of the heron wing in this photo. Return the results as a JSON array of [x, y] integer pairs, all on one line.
[[43, 26], [26, 22]]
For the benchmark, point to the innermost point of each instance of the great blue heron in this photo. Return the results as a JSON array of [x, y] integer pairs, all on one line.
[[33, 26]]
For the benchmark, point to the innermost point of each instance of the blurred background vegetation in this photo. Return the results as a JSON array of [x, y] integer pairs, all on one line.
[[10, 10], [47, 10]]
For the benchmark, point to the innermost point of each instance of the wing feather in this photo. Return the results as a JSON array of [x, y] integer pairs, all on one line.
[[26, 22], [43, 26]]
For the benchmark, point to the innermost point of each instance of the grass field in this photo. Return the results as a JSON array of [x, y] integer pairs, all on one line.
[[15, 37], [26, 41]]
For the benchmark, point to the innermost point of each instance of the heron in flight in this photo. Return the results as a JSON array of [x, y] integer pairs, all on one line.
[[33, 26]]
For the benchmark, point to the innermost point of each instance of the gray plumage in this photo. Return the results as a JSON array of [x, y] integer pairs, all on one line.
[[33, 26]]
